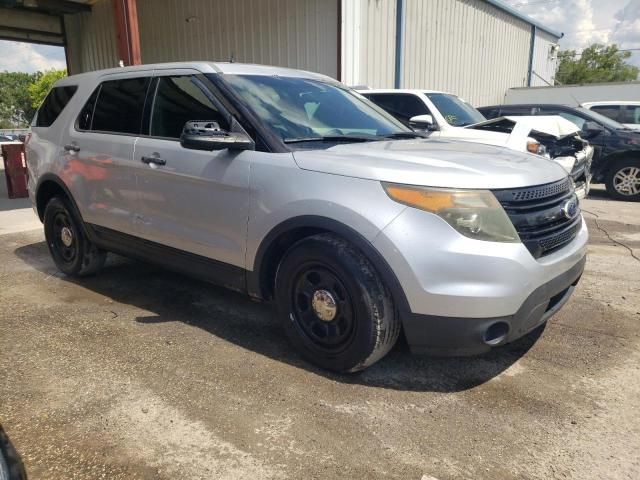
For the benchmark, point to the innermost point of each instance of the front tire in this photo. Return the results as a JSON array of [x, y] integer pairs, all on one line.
[[336, 310], [623, 180], [71, 250]]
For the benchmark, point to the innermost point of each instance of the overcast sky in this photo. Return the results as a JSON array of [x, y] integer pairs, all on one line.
[[587, 21], [582, 21]]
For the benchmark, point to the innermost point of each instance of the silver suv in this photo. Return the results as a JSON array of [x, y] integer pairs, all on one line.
[[293, 188]]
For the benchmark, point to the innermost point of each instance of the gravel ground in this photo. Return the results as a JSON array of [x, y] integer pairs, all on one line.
[[140, 373]]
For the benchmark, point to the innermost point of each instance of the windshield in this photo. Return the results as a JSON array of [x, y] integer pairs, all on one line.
[[454, 110], [607, 122], [303, 109]]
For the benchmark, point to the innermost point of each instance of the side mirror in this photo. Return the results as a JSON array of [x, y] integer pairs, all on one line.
[[422, 122], [207, 135], [591, 129]]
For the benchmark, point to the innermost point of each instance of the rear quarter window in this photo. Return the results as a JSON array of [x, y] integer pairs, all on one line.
[[53, 105]]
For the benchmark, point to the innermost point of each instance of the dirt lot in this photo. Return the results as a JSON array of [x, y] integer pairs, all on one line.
[[141, 373]]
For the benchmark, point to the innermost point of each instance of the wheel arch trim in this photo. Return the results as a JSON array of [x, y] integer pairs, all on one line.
[[51, 177], [256, 277]]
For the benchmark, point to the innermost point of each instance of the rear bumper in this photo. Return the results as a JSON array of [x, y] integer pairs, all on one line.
[[457, 336]]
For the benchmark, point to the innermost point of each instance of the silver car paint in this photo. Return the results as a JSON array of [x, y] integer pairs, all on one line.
[[434, 163], [226, 204]]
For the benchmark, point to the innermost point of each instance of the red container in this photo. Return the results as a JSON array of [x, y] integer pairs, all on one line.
[[15, 170]]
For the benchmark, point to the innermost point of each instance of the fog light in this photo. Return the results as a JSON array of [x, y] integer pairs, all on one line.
[[496, 333]]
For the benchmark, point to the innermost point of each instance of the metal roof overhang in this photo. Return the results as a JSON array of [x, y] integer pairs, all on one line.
[[38, 21], [512, 11]]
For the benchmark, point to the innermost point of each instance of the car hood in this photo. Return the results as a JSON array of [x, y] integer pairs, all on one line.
[[435, 163]]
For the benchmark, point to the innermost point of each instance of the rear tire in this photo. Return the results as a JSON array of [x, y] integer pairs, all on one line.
[[71, 250], [623, 180], [336, 310]]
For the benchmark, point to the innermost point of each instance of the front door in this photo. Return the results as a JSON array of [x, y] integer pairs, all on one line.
[[191, 200]]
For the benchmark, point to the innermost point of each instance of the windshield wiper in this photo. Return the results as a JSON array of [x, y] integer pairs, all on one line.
[[400, 135], [330, 138]]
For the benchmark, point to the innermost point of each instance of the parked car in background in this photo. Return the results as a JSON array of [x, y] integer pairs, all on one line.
[[289, 186], [443, 115], [616, 159], [626, 113], [560, 138]]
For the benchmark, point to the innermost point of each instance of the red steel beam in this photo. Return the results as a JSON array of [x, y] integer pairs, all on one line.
[[127, 34]]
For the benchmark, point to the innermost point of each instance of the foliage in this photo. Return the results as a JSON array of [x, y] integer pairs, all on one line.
[[15, 104], [39, 89], [22, 93], [597, 63]]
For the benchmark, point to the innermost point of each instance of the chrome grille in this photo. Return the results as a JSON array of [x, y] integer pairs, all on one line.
[[543, 191], [540, 215]]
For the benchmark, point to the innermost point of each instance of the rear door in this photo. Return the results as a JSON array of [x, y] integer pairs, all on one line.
[[98, 164], [192, 200]]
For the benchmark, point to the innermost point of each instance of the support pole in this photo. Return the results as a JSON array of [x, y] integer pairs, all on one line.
[[397, 81], [127, 34], [532, 49]]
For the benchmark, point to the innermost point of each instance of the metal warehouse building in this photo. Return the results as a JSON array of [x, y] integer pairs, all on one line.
[[475, 48]]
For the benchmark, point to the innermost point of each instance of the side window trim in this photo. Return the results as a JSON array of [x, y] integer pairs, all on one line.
[[93, 110]]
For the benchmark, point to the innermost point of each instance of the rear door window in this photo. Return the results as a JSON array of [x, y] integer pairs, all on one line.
[[178, 100], [630, 114], [120, 105], [609, 111], [403, 106], [53, 105]]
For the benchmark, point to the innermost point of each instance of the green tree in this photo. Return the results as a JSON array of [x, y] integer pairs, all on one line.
[[597, 63], [39, 89], [16, 108]]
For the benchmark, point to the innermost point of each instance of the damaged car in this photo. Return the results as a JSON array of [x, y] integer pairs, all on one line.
[[560, 140]]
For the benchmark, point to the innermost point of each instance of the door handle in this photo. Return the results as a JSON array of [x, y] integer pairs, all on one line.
[[156, 160], [72, 148]]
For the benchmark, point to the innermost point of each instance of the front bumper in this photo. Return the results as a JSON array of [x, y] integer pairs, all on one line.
[[451, 336], [457, 287]]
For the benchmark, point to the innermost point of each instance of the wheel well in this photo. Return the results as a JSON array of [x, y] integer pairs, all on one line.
[[613, 160], [275, 253], [46, 191], [261, 281]]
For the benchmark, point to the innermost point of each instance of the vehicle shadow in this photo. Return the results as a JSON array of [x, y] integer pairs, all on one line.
[[254, 326]]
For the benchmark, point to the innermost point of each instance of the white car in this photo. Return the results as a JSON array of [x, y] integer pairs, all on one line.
[[445, 115], [624, 112]]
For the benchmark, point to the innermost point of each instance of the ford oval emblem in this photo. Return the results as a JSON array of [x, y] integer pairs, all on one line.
[[570, 208]]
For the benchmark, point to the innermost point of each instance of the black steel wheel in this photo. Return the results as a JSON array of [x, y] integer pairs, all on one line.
[[336, 309], [71, 250], [323, 308]]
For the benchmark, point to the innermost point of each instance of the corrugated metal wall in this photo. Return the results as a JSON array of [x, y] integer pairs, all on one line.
[[293, 33], [468, 47], [368, 42], [545, 59], [91, 39]]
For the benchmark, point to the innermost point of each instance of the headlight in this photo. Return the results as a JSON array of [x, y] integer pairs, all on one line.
[[537, 148], [475, 214]]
